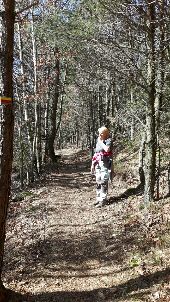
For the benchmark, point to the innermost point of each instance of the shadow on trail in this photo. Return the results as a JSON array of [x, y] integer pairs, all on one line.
[[74, 175], [113, 294], [68, 256], [64, 255], [75, 166], [137, 191], [141, 282], [73, 181], [129, 192]]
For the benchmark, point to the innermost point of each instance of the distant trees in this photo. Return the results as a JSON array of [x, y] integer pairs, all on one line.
[[79, 65], [132, 46]]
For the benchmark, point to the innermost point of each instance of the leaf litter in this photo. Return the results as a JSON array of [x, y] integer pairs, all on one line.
[[60, 247]]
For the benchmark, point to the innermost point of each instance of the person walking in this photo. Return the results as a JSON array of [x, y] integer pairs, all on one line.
[[102, 165]]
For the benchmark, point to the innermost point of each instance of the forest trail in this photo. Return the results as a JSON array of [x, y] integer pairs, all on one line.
[[64, 249]]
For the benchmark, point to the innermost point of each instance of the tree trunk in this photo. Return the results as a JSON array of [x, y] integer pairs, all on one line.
[[29, 166], [159, 86], [161, 70], [150, 149], [150, 157], [46, 123], [21, 143], [92, 122], [35, 159], [8, 129], [52, 134], [169, 179], [141, 161]]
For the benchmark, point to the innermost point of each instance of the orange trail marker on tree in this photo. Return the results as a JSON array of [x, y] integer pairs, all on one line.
[[4, 100]]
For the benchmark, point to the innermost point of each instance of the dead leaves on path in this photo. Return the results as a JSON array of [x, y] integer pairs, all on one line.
[[58, 243]]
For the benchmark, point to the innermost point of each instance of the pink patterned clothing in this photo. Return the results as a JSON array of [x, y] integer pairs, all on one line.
[[98, 156]]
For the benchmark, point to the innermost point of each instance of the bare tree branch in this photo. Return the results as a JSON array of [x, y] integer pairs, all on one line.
[[27, 7]]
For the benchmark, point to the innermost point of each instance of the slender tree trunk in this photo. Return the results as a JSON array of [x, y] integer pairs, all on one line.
[[150, 149], [150, 157], [21, 142], [141, 160], [159, 86], [52, 134], [46, 123], [101, 109], [35, 157], [8, 129], [62, 99], [29, 166], [108, 100], [169, 179], [158, 170], [132, 124], [112, 101], [92, 122], [161, 66]]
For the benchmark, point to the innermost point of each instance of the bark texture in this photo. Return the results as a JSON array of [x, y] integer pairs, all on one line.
[[7, 132]]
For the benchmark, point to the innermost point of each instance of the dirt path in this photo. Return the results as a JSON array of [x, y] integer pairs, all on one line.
[[65, 249]]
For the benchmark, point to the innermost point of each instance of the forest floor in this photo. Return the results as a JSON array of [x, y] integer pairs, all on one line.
[[61, 248]]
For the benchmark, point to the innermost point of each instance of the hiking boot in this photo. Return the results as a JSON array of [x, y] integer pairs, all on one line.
[[96, 202], [101, 204], [98, 199]]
